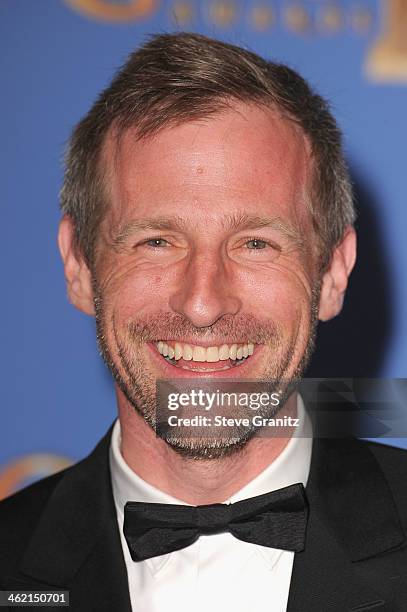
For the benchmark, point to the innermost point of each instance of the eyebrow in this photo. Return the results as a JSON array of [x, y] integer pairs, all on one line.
[[247, 222], [232, 222], [121, 235]]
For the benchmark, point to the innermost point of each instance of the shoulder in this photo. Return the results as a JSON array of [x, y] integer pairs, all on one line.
[[56, 501], [20, 514], [390, 462], [32, 498], [393, 463], [392, 459]]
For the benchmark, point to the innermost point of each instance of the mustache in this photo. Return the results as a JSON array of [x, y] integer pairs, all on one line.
[[229, 329]]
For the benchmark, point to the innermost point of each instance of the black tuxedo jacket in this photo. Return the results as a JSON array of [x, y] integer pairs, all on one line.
[[62, 533]]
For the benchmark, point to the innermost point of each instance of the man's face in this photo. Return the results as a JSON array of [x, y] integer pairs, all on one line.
[[206, 262], [207, 253]]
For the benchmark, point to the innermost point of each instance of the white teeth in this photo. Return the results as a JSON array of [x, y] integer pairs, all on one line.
[[187, 352], [178, 351], [211, 354], [223, 352], [199, 353]]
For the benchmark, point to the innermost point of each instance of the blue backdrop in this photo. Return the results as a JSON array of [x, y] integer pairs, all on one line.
[[57, 398]]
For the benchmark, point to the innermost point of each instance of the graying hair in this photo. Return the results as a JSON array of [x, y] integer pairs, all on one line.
[[176, 78]]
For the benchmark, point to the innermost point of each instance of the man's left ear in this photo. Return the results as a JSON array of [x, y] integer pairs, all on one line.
[[335, 279]]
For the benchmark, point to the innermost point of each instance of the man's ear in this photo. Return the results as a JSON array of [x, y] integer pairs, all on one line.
[[335, 279], [77, 274]]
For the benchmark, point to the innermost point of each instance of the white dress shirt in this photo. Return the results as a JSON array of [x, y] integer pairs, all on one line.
[[217, 572]]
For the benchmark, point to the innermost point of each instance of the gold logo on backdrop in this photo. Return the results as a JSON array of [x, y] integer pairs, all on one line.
[[109, 11], [297, 18], [182, 12], [22, 471], [223, 12], [388, 59], [262, 17]]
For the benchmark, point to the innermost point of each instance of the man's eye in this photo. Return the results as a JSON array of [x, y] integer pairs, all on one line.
[[156, 242], [256, 243]]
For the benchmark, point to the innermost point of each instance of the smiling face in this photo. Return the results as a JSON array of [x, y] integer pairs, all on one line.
[[206, 264]]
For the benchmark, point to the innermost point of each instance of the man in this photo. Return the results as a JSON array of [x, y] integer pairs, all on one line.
[[208, 227]]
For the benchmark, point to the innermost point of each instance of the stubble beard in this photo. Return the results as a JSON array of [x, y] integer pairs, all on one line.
[[138, 383]]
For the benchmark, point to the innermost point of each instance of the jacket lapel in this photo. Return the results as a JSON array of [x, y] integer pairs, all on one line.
[[353, 522], [76, 545]]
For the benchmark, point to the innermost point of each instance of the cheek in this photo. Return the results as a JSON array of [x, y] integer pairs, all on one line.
[[130, 292], [280, 295]]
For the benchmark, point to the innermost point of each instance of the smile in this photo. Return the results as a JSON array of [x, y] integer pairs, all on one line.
[[222, 357]]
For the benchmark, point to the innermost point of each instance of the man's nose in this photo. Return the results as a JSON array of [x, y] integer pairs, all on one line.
[[206, 291]]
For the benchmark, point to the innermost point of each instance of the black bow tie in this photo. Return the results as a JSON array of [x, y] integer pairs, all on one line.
[[277, 520]]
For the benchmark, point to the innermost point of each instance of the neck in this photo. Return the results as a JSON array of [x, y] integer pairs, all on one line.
[[203, 481]]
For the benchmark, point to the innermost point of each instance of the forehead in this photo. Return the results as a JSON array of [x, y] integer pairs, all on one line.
[[246, 160]]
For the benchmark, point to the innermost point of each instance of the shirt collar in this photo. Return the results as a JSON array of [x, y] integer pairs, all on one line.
[[290, 467]]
